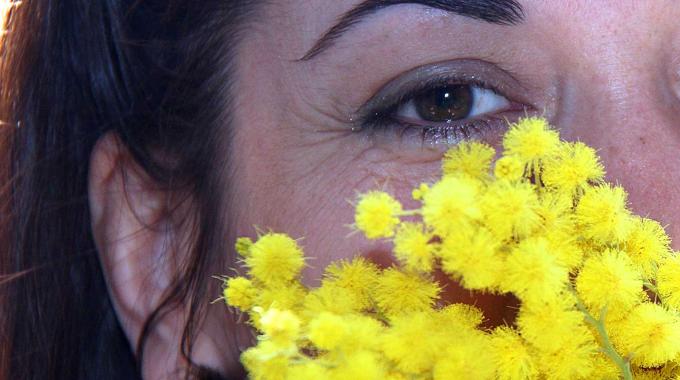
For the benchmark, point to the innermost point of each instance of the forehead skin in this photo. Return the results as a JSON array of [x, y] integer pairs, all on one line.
[[605, 72]]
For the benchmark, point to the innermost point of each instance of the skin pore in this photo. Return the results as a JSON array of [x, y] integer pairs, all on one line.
[[305, 137]]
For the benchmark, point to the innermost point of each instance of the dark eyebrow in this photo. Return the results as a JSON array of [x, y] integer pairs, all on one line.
[[502, 12]]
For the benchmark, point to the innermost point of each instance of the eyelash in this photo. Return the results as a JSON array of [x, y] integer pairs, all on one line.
[[381, 119], [451, 133]]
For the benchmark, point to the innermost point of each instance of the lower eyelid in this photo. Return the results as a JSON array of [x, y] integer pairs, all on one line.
[[455, 133], [397, 134], [406, 134]]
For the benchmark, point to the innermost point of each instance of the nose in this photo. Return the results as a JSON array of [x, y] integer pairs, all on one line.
[[620, 95]]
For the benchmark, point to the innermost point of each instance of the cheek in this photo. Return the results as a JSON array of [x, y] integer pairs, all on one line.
[[652, 180], [315, 201], [647, 164]]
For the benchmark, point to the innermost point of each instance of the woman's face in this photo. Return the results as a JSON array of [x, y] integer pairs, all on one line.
[[309, 133], [378, 101]]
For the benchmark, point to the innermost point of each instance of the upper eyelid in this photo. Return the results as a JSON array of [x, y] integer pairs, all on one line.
[[463, 71]]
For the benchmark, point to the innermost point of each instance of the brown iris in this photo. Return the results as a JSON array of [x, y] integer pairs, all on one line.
[[445, 103]]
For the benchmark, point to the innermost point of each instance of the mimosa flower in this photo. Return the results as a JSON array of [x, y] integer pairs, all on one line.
[[327, 331], [472, 256], [470, 158], [412, 247], [572, 168], [531, 140], [510, 209], [598, 287], [511, 355], [609, 280], [282, 326], [652, 333], [509, 168], [274, 258], [533, 273], [647, 244], [603, 216], [400, 292], [668, 282], [451, 204], [240, 292], [377, 214]]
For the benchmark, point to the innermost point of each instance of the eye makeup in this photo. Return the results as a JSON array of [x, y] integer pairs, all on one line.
[[380, 116]]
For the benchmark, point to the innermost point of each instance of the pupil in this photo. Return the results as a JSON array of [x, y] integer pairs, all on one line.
[[445, 103]]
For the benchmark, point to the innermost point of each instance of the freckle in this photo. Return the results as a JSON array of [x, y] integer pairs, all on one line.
[[642, 140]]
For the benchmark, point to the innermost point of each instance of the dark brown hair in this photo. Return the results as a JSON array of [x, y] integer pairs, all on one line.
[[155, 72]]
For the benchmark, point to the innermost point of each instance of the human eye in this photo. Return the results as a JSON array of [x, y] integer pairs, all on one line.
[[444, 104]]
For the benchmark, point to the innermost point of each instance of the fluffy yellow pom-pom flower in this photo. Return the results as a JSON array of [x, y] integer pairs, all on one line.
[[533, 273], [358, 276], [549, 324], [647, 244], [509, 209], [274, 259], [575, 359], [572, 168], [467, 316], [360, 365], [651, 335], [412, 247], [451, 204], [531, 140], [604, 368], [668, 282], [509, 168], [404, 343], [243, 245], [602, 214], [282, 326], [471, 158], [598, 288], [377, 214], [310, 370], [400, 292], [609, 280], [335, 298], [239, 292], [281, 295], [511, 356], [419, 192], [266, 361], [327, 331], [470, 360], [472, 256], [363, 333]]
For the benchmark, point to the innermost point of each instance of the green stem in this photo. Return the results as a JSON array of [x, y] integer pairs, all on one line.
[[607, 346], [409, 212]]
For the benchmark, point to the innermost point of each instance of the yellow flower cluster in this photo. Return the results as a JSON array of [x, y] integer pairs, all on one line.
[[599, 288]]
